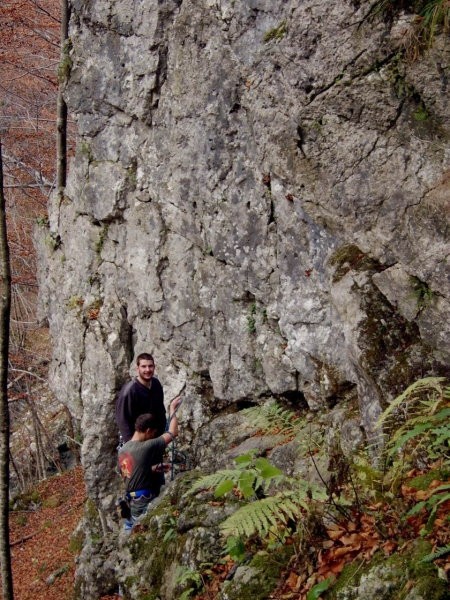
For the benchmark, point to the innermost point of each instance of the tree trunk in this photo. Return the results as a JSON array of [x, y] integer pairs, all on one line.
[[5, 308], [61, 106]]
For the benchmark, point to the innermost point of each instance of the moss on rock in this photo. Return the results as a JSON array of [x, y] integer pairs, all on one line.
[[350, 258], [258, 579], [398, 577]]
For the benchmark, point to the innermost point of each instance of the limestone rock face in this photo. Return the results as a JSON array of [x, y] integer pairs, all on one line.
[[259, 197]]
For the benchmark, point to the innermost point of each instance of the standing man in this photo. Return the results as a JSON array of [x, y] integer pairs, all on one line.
[[142, 395]]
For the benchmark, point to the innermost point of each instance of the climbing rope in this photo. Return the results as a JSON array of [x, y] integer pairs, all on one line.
[[174, 451]]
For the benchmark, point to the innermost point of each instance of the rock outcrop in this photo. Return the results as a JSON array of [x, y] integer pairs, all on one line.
[[259, 197]]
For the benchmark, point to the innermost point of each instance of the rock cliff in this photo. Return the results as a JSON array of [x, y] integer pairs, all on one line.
[[259, 197]]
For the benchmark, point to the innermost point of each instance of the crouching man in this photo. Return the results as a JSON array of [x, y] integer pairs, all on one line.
[[140, 461]]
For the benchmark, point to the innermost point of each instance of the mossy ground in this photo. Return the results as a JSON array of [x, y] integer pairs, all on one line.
[[269, 566], [404, 572]]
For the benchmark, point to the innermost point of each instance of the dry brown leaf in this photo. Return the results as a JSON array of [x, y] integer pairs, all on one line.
[[435, 483], [351, 540], [370, 552], [292, 580], [338, 552], [337, 567], [389, 547], [422, 494], [368, 520], [335, 534], [408, 491]]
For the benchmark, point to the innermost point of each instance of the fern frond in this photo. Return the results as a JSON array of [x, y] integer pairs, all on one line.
[[427, 384], [258, 517], [442, 435], [216, 479], [408, 435], [272, 416], [306, 490], [418, 426], [434, 555]]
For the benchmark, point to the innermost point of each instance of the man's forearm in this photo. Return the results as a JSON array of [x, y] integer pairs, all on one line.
[[173, 425], [173, 430]]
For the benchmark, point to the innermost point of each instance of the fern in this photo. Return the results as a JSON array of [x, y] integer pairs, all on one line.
[[260, 516], [250, 475], [431, 504], [423, 411], [434, 555], [273, 513], [420, 426], [417, 389], [216, 479], [189, 579], [273, 417]]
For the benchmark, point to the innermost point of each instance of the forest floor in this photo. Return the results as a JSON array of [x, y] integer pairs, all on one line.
[[43, 545], [41, 529]]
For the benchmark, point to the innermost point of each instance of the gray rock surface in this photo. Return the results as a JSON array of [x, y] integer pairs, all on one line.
[[253, 184]]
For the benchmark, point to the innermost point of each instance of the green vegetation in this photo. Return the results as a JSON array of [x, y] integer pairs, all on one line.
[[431, 18], [276, 33], [257, 314], [348, 258], [316, 592], [419, 422], [65, 65], [250, 475], [421, 113], [85, 150], [101, 239], [52, 502], [42, 221], [372, 506], [189, 580], [76, 542], [53, 241], [272, 416], [265, 514], [29, 499], [435, 16], [22, 520], [132, 175], [422, 292], [75, 302]]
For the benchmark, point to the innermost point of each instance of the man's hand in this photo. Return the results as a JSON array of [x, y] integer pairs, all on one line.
[[175, 404], [161, 468]]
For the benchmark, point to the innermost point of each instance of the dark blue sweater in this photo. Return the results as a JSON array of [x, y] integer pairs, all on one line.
[[136, 399]]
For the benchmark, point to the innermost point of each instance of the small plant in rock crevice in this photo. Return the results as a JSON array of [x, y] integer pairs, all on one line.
[[276, 33], [75, 302], [422, 292], [431, 18], [190, 580]]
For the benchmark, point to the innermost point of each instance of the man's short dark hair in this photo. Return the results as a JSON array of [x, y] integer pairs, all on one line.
[[144, 356], [144, 422]]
